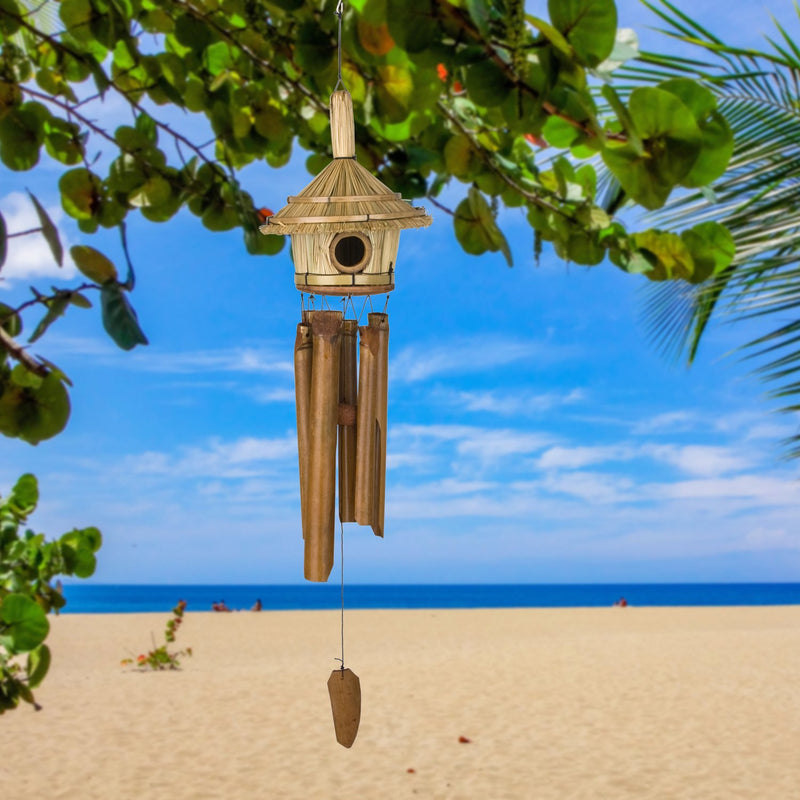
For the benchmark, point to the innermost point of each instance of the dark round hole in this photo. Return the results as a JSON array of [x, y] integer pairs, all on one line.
[[349, 251]]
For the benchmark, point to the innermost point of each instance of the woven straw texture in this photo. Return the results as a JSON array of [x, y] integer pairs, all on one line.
[[326, 204]]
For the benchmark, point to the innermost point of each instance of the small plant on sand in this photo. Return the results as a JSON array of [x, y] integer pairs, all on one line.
[[161, 657], [28, 564]]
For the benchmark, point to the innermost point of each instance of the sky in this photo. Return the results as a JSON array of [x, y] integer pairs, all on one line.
[[536, 434]]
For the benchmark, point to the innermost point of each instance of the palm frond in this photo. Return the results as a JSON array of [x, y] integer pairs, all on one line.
[[758, 199]]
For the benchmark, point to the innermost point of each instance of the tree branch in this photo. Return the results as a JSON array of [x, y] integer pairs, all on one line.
[[19, 353]]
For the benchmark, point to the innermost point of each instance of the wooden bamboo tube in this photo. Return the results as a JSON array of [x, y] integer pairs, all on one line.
[[343, 131], [302, 395], [365, 426], [381, 323], [321, 487], [348, 398]]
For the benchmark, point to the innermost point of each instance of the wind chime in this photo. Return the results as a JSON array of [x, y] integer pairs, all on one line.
[[345, 228]]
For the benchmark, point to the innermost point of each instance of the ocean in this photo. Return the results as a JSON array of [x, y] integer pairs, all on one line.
[[125, 598]]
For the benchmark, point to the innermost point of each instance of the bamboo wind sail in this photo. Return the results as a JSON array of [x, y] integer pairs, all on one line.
[[348, 397], [302, 390], [320, 490]]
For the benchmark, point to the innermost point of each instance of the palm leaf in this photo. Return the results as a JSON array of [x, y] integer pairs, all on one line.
[[758, 199]]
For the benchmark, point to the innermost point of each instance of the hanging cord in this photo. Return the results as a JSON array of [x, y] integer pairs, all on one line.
[[340, 14], [341, 565]]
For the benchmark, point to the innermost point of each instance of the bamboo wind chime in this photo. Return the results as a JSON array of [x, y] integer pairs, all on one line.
[[345, 231]]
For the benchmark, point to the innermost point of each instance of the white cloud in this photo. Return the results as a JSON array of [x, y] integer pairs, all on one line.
[[30, 256], [243, 458], [514, 403], [254, 359], [670, 422], [490, 445], [702, 460], [750, 488], [469, 354], [270, 395], [258, 360], [583, 456], [763, 538], [593, 487]]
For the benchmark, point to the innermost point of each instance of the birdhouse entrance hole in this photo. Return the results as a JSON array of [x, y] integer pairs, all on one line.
[[350, 252]]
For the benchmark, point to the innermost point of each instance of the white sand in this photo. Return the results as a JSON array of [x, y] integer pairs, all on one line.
[[598, 704]]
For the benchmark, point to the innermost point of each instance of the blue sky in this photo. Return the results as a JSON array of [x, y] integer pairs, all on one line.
[[536, 435]]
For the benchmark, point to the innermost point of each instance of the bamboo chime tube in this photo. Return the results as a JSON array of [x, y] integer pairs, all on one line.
[[381, 322], [365, 427], [302, 393], [348, 397], [371, 422], [321, 484]]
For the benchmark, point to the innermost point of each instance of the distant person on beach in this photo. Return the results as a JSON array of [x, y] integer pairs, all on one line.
[[622, 602], [219, 606], [257, 606]]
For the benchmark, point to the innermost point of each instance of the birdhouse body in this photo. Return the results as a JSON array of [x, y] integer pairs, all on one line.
[[349, 262], [345, 225]]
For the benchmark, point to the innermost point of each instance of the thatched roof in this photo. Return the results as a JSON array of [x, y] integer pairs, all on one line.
[[344, 196]]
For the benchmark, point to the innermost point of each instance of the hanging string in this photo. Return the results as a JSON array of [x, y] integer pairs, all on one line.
[[341, 564], [339, 13]]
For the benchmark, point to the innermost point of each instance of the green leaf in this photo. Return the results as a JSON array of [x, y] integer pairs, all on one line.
[[476, 228], [712, 248], [22, 135], [34, 415], [412, 24], [559, 133], [3, 241], [10, 320], [672, 142], [119, 318], [55, 309], [49, 231], [81, 192], [487, 84], [460, 157], [38, 665], [590, 26], [79, 300], [715, 154], [25, 623], [25, 495], [673, 259], [93, 264], [22, 376], [314, 49], [552, 35], [10, 14]]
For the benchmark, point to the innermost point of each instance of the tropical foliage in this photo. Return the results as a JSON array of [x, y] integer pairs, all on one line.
[[28, 565], [448, 93], [757, 199]]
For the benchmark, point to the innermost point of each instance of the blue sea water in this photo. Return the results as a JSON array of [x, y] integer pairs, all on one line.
[[124, 598]]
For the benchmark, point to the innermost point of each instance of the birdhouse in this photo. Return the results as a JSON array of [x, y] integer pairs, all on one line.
[[345, 225]]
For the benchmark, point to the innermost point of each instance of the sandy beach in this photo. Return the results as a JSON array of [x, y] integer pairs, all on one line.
[[610, 703]]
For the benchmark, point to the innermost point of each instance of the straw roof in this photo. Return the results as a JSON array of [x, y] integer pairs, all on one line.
[[344, 196]]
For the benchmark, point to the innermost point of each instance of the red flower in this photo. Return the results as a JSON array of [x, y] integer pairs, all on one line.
[[441, 70], [534, 139], [457, 87]]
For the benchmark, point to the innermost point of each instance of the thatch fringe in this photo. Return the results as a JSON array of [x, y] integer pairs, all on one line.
[[357, 200]]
